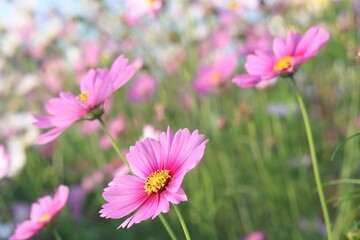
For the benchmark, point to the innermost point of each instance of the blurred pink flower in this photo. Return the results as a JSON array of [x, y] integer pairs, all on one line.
[[142, 88], [51, 72], [90, 54], [159, 168], [42, 212], [88, 183], [4, 162], [211, 77], [115, 127], [288, 53], [258, 235], [136, 9], [96, 87]]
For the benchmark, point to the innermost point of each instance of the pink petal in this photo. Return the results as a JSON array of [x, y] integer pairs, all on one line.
[[124, 195], [60, 197], [144, 158], [312, 41], [246, 81], [26, 230], [226, 66], [49, 136], [279, 48], [177, 197], [42, 121], [121, 72], [292, 41], [87, 82], [146, 211]]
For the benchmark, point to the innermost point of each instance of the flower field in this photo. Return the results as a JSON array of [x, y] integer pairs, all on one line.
[[189, 119]]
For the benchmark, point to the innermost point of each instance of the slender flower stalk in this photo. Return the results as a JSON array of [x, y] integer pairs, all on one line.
[[313, 158], [56, 235], [167, 227], [182, 222], [122, 157]]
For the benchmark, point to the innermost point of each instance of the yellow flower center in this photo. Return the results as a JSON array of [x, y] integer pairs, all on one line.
[[151, 1], [45, 217], [83, 97], [233, 5], [215, 78], [283, 64], [157, 181]]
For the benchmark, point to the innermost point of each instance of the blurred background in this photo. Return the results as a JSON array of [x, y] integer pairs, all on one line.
[[256, 174]]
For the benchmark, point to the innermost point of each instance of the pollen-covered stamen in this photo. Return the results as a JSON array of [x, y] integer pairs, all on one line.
[[157, 181], [45, 217], [283, 64], [151, 1], [215, 78], [83, 97]]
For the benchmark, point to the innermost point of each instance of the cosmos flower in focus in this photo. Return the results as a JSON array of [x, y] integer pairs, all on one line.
[[159, 168], [211, 77], [288, 53], [96, 87], [42, 212], [142, 88], [137, 9]]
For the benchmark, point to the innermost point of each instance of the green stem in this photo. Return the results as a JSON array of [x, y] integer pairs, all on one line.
[[167, 227], [183, 224], [314, 159], [123, 159], [56, 235]]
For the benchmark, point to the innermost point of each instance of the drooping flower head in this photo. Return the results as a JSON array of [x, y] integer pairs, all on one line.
[[96, 87], [287, 54], [42, 213], [211, 77], [137, 9], [159, 168]]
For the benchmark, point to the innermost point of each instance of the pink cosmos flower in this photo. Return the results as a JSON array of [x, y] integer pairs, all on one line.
[[136, 9], [211, 77], [96, 87], [142, 88], [4, 162], [159, 168], [42, 212], [288, 53]]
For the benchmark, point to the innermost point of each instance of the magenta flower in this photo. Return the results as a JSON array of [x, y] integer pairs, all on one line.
[[42, 212], [288, 53], [142, 88], [137, 9], [211, 77], [96, 87], [159, 168]]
